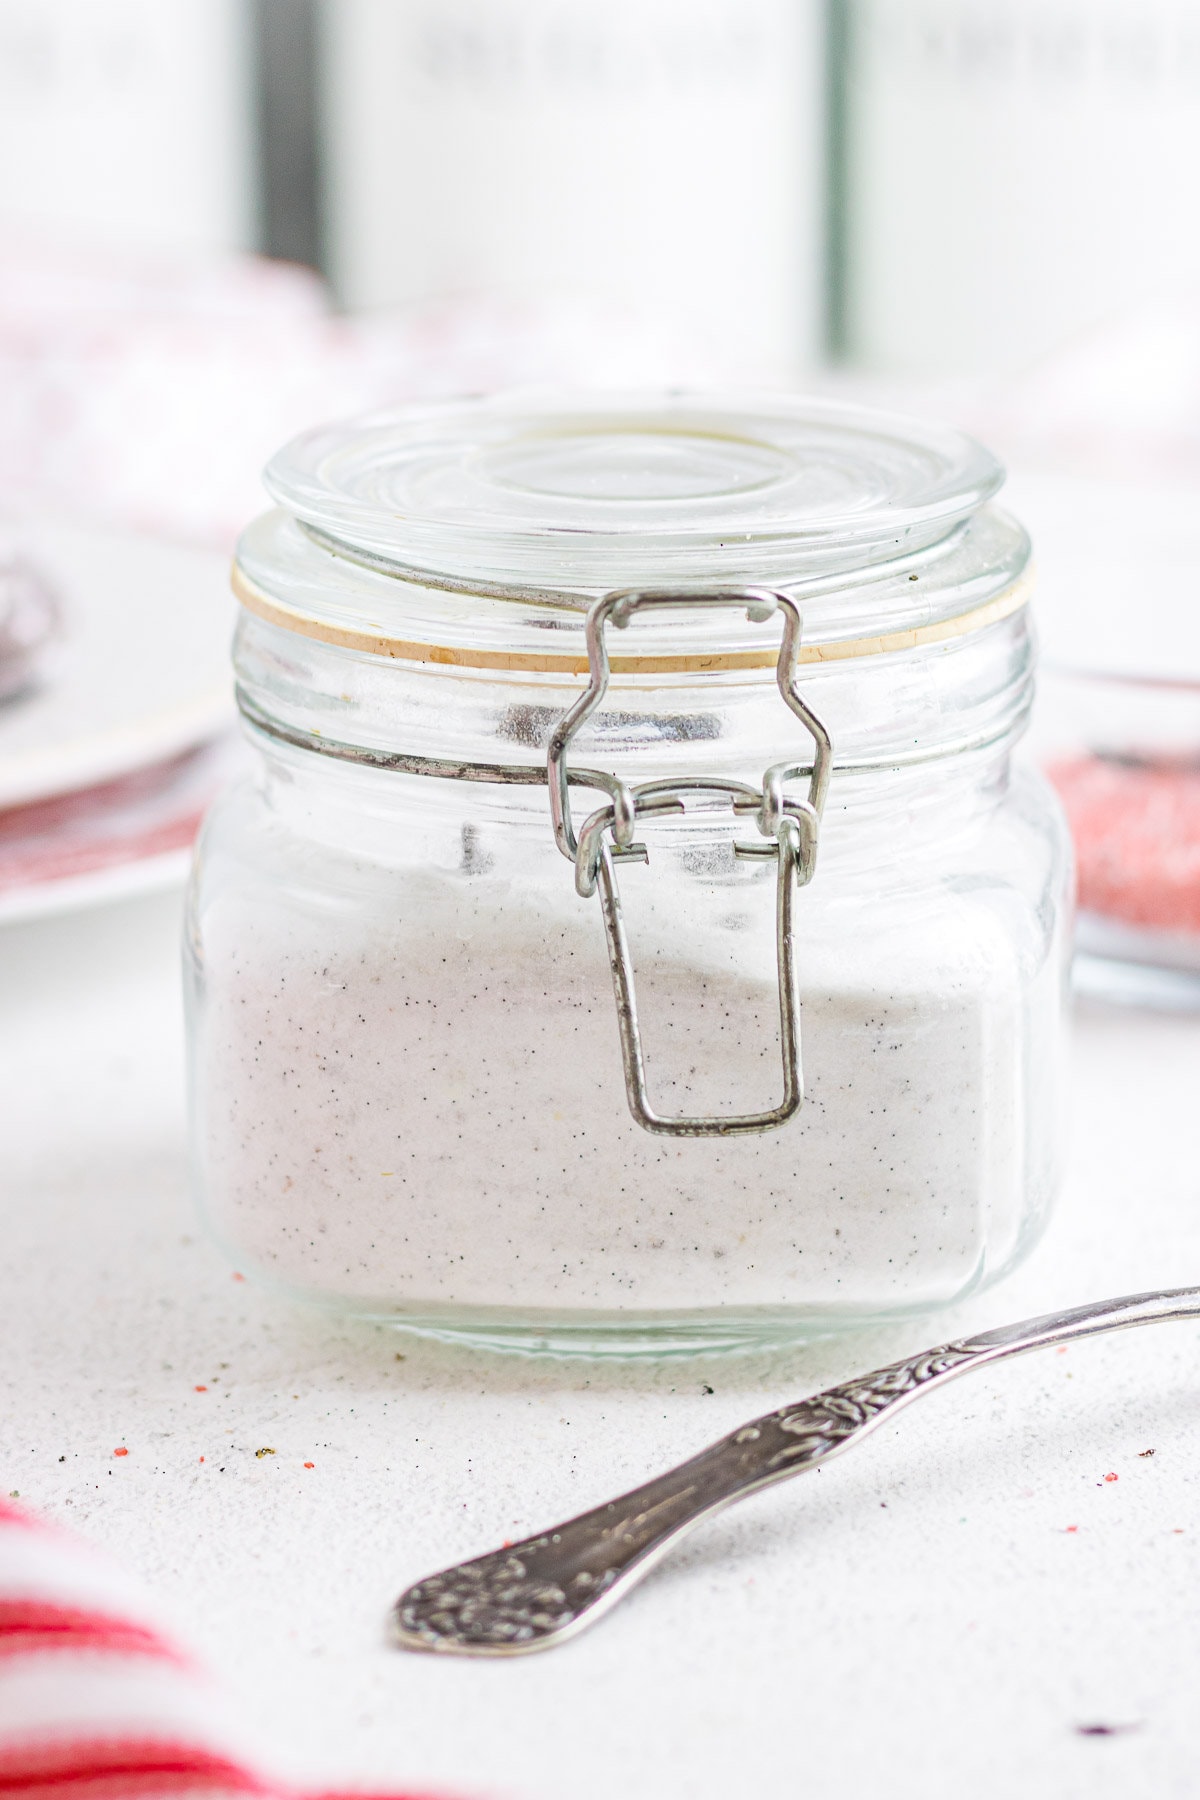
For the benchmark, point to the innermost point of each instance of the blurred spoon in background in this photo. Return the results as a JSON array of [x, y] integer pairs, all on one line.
[[30, 618]]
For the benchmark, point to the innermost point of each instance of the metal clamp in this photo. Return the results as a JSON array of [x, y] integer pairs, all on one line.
[[789, 829]]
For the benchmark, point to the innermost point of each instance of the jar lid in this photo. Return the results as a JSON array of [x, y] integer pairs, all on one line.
[[569, 496]]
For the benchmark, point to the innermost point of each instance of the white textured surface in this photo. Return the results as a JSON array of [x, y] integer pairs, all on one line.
[[915, 1619]]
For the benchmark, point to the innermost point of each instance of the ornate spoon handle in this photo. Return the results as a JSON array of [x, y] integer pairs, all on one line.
[[535, 1593]]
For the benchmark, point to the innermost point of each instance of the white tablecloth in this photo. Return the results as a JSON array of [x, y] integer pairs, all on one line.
[[916, 1620]]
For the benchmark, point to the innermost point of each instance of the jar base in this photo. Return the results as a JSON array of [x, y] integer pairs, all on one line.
[[617, 1336]]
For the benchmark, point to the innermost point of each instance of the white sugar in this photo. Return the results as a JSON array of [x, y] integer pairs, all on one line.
[[417, 1099]]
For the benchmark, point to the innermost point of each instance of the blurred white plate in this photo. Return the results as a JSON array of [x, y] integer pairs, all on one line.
[[125, 837], [41, 900], [142, 670]]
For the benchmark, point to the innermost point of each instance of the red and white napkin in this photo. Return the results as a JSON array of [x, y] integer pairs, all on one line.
[[97, 1699]]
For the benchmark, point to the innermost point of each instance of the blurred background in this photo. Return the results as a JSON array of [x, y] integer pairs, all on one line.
[[927, 192], [225, 219]]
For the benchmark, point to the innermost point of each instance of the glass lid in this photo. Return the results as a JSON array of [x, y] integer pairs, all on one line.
[[572, 495]]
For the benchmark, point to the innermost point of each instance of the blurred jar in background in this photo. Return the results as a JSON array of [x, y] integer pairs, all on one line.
[[664, 156], [1117, 721], [1128, 774], [127, 123], [1016, 171]]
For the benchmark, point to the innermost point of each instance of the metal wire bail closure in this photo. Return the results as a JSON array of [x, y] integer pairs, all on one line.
[[788, 827]]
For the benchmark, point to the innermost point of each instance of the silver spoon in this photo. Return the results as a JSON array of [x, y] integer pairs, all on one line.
[[538, 1592]]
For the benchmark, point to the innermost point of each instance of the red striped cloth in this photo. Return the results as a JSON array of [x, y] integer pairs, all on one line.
[[97, 1700]]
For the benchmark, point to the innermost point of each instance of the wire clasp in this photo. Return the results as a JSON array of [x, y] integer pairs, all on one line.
[[788, 831]]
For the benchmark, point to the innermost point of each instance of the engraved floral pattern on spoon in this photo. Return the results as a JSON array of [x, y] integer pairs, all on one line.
[[542, 1590]]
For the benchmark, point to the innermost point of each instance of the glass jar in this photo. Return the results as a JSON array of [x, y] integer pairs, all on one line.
[[633, 934], [1123, 751]]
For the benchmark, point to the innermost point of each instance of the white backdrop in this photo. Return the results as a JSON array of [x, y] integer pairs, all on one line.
[[1018, 170], [660, 155], [126, 121]]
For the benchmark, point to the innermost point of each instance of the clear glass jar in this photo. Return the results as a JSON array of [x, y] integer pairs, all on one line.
[[1123, 751], [435, 1079]]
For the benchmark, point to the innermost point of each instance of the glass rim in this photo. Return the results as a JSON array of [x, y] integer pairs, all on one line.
[[584, 492]]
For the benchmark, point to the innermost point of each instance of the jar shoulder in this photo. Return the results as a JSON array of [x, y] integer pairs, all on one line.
[[260, 825], [986, 907]]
